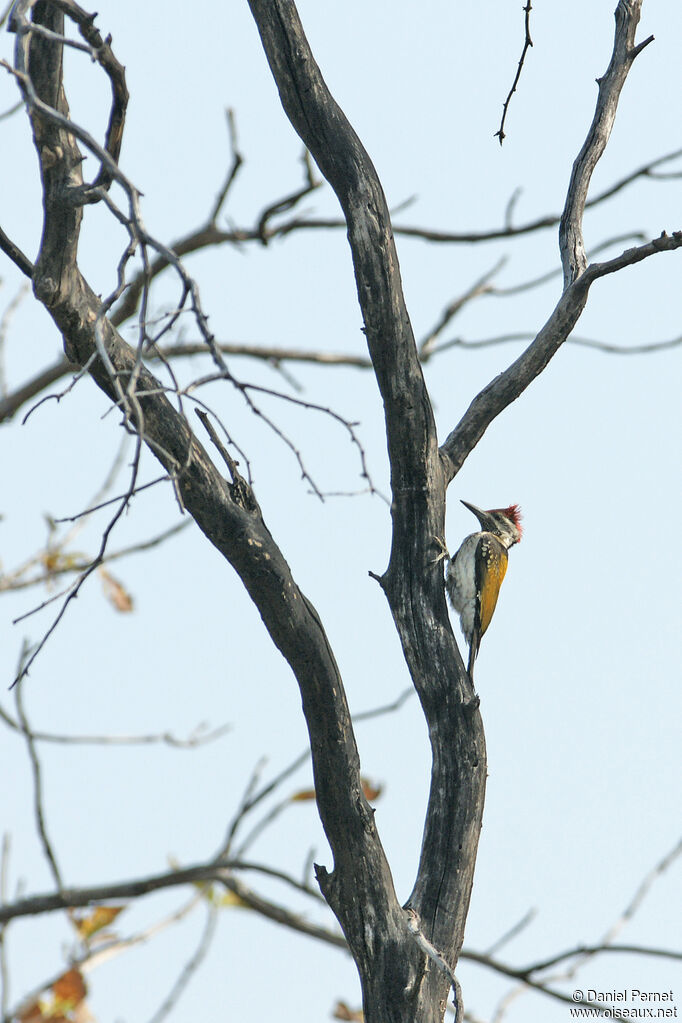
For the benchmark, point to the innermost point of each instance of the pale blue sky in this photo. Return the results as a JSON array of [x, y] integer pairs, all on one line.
[[579, 673]]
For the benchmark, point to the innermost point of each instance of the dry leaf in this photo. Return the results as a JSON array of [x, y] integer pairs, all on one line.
[[115, 592], [303, 796], [69, 990], [232, 899], [370, 790], [81, 1014], [33, 1013], [342, 1011], [101, 916]]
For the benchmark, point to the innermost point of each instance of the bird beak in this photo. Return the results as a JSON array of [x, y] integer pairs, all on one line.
[[481, 515]]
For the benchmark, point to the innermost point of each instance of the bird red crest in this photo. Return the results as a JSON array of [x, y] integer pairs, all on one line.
[[513, 512]]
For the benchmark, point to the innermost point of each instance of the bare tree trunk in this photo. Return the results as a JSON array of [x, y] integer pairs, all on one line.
[[406, 956], [399, 981], [412, 583]]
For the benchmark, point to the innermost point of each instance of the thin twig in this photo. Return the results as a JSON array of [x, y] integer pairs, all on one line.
[[5, 14], [220, 872], [114, 500], [252, 799], [573, 339], [199, 736], [527, 43], [245, 804], [8, 312], [37, 780], [237, 161], [385, 708], [550, 275], [190, 967], [480, 287], [4, 971], [75, 588], [642, 891], [13, 581], [225, 454], [505, 938], [440, 961], [15, 253], [95, 955], [528, 975]]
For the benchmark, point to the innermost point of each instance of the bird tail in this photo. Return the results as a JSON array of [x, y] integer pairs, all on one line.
[[473, 653]]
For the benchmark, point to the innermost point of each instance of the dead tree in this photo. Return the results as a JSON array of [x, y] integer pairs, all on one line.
[[406, 955]]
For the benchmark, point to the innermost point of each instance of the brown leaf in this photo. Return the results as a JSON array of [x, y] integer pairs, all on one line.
[[303, 796], [232, 899], [81, 1014], [101, 916], [115, 592], [33, 1013], [343, 1012], [68, 990], [370, 790]]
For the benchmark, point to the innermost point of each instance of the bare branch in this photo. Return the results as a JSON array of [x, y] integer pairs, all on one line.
[[71, 564], [190, 968], [642, 891], [114, 500], [585, 951], [506, 387], [505, 938], [527, 980], [209, 234], [4, 971], [237, 161], [94, 956], [5, 320], [5, 14], [37, 779], [220, 872], [571, 243], [100, 51], [11, 403], [578, 957], [230, 519], [6, 114], [386, 708], [437, 957], [550, 275], [480, 287], [201, 735], [281, 915], [283, 206], [573, 339], [245, 804], [16, 255], [253, 798], [664, 243], [72, 592], [528, 42], [578, 277]]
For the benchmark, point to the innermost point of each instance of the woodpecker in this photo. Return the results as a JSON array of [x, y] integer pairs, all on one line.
[[474, 576]]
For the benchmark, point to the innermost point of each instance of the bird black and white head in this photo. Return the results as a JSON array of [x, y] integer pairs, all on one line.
[[502, 522]]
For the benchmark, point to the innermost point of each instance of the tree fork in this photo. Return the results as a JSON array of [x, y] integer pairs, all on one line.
[[412, 584]]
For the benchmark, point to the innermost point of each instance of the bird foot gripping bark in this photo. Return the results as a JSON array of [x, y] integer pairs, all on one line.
[[443, 552]]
